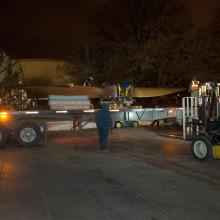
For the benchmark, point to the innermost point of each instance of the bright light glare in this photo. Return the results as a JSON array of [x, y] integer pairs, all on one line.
[[89, 110], [114, 110], [61, 112], [159, 109], [31, 112], [4, 115]]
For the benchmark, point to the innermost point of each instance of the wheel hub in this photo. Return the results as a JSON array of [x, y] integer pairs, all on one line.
[[200, 149], [28, 134]]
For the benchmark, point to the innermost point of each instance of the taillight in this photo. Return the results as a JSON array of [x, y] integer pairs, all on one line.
[[4, 116]]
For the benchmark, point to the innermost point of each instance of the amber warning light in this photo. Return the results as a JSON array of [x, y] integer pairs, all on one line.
[[4, 116]]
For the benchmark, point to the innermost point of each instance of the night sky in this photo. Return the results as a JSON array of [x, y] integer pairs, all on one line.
[[48, 29]]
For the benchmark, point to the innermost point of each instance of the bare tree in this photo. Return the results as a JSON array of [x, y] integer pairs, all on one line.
[[87, 59], [146, 42], [124, 20], [146, 37], [215, 36], [10, 95]]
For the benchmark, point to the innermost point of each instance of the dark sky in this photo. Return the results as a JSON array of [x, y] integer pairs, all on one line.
[[202, 10], [44, 29], [48, 29]]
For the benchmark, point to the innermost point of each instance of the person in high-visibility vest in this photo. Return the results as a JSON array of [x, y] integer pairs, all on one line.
[[124, 88]]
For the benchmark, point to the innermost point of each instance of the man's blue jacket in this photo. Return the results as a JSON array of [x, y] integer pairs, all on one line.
[[103, 118]]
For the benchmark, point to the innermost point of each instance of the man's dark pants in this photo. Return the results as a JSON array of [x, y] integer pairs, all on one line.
[[103, 137]]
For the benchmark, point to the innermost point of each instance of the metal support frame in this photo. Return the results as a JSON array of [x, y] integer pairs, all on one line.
[[140, 117], [191, 107], [190, 111]]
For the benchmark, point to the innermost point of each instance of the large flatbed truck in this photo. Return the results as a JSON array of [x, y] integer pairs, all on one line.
[[29, 126]]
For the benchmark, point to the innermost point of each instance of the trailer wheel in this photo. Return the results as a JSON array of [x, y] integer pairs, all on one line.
[[136, 124], [201, 148], [4, 135], [28, 134], [118, 124]]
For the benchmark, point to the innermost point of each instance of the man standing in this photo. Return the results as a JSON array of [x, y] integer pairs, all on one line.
[[88, 82], [103, 121]]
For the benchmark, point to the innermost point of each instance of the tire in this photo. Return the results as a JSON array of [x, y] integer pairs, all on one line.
[[201, 148], [4, 136], [118, 124], [28, 134], [135, 124]]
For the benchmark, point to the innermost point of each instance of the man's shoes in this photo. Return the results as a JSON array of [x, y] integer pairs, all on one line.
[[103, 151]]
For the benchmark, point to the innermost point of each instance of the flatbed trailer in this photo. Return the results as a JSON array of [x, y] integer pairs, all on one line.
[[29, 126]]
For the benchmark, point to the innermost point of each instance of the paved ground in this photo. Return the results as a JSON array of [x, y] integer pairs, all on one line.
[[145, 176]]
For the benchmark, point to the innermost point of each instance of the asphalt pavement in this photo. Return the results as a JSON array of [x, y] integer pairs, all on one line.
[[145, 175]]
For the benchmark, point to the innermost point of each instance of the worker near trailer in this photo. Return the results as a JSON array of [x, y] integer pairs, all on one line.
[[103, 121], [124, 88], [88, 82], [194, 88]]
